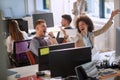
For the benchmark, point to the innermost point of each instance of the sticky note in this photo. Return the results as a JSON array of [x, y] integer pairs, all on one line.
[[44, 51]]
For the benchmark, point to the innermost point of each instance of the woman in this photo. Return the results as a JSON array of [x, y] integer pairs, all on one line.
[[85, 36], [14, 34], [79, 8]]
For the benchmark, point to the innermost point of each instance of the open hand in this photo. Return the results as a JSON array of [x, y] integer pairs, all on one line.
[[115, 12]]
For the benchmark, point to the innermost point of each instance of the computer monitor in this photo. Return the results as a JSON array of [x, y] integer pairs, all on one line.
[[43, 53], [62, 46], [48, 17], [63, 62], [118, 42]]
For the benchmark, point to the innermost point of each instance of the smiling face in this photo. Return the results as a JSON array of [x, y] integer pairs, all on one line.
[[41, 29], [83, 26]]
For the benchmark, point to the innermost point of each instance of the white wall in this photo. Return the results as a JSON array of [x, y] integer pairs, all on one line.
[[57, 9], [117, 20], [14, 7], [39, 4], [31, 7]]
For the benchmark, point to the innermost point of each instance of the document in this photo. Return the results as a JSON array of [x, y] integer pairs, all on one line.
[[69, 32]]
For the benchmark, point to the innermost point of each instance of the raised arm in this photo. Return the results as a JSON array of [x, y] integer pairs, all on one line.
[[108, 24], [115, 12]]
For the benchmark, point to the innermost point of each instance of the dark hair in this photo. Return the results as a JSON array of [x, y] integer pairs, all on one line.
[[67, 17], [39, 21], [87, 20]]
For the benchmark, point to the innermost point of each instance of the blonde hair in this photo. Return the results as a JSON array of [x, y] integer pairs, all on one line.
[[14, 30]]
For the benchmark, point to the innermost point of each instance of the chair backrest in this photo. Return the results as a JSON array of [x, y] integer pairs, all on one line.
[[19, 51], [30, 57], [80, 72]]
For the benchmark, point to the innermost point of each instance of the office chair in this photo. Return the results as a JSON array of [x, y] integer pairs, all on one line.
[[82, 75], [30, 57], [19, 52]]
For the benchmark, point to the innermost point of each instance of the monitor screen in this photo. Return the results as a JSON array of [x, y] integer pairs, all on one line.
[[118, 42], [48, 17], [63, 62], [43, 53]]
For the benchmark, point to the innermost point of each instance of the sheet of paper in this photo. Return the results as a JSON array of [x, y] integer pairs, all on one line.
[[70, 33]]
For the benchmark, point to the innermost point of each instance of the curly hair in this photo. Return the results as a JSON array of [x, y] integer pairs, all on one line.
[[87, 20]]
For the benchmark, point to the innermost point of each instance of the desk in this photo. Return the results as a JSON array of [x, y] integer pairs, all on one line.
[[28, 71], [32, 69], [25, 71]]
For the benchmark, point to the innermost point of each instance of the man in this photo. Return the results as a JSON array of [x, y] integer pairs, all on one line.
[[38, 40], [65, 22]]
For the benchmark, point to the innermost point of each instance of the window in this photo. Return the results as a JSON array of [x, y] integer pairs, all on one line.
[[93, 7], [109, 7], [100, 8], [46, 4], [42, 5]]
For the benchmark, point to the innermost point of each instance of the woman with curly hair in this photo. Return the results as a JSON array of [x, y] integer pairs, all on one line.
[[86, 33]]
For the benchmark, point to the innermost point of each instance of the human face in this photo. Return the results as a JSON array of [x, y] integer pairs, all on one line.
[[63, 22], [41, 29], [83, 27]]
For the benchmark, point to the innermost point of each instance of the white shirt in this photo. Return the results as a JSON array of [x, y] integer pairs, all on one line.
[[9, 42]]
